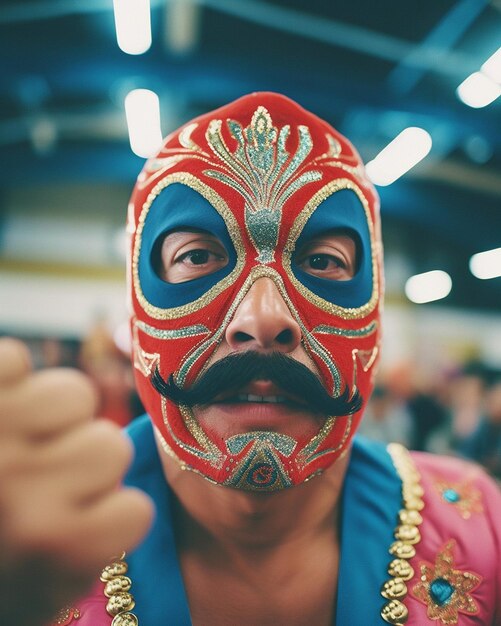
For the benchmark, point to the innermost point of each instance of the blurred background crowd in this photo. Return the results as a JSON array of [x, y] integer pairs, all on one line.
[[71, 75]]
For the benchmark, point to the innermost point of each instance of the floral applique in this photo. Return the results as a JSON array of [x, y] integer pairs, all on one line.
[[446, 590], [463, 496]]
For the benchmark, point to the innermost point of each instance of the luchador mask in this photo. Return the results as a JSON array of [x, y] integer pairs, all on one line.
[[262, 175]]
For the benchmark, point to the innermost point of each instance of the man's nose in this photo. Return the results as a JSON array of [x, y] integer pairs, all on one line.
[[263, 321]]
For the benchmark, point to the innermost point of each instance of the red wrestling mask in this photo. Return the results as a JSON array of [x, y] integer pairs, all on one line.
[[255, 283]]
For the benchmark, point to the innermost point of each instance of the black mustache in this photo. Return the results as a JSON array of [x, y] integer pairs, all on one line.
[[235, 371]]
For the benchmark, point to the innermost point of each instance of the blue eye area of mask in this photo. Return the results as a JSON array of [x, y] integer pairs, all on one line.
[[341, 211], [177, 207]]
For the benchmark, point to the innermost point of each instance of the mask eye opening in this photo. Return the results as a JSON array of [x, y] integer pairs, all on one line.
[[156, 256], [342, 231]]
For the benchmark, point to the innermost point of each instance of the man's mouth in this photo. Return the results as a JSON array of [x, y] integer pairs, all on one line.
[[250, 397], [259, 392]]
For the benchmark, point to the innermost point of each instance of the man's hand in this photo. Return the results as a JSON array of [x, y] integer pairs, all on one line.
[[63, 511]]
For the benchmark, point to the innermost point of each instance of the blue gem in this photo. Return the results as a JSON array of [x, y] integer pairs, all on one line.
[[441, 591], [451, 495]]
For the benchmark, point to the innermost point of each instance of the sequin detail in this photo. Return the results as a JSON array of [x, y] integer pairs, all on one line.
[[177, 333], [283, 443], [261, 469], [233, 229], [445, 590], [262, 172], [463, 496], [209, 451], [146, 362], [296, 230], [350, 333], [65, 616]]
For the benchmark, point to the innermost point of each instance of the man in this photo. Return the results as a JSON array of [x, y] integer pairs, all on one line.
[[255, 284]]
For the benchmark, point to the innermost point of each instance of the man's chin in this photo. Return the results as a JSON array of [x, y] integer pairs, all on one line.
[[224, 420]]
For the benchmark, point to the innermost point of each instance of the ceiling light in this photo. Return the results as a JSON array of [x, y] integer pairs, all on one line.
[[492, 67], [399, 156], [133, 25], [142, 109], [428, 287], [478, 90], [486, 264]]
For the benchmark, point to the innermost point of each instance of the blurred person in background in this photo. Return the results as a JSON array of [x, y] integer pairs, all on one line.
[[111, 373], [465, 398], [418, 402], [256, 285], [385, 419], [484, 443]]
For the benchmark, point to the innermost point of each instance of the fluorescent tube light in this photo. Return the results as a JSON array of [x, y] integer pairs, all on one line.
[[133, 25], [486, 264], [399, 156], [428, 287], [142, 110], [478, 90], [492, 67]]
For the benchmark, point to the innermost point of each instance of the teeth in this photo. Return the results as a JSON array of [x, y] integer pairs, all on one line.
[[250, 397]]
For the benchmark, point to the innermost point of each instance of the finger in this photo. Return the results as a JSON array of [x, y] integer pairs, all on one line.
[[85, 463], [47, 403], [15, 360], [111, 526]]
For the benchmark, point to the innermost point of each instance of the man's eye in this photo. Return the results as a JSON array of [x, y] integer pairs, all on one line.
[[197, 257], [190, 254], [330, 256], [322, 262]]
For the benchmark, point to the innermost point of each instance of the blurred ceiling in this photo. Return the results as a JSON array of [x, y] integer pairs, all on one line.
[[370, 68]]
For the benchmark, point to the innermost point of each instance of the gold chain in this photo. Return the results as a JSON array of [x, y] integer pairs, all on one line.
[[406, 535], [117, 590]]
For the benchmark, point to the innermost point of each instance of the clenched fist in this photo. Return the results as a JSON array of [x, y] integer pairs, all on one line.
[[63, 510]]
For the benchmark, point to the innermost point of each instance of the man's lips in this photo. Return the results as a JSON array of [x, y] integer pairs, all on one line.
[[260, 392]]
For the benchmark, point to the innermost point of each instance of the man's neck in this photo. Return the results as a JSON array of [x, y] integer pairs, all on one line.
[[258, 558]]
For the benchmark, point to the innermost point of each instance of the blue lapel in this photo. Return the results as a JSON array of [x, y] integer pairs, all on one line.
[[371, 500], [157, 585]]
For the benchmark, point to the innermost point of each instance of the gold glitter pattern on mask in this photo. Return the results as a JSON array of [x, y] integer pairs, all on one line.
[[262, 172], [334, 309], [350, 333], [177, 333], [309, 452], [182, 465], [234, 232], [185, 137], [261, 468], [208, 452], [144, 361], [283, 443]]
